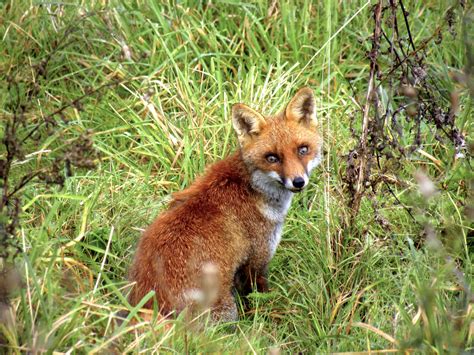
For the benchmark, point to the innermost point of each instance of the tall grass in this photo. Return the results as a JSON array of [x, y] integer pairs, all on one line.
[[181, 65]]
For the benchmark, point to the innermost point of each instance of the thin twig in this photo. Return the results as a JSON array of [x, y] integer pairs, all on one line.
[[405, 17], [370, 91]]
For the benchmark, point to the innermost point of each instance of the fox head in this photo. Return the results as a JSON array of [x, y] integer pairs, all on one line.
[[281, 150]]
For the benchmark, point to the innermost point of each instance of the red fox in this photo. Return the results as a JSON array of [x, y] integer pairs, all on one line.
[[229, 221]]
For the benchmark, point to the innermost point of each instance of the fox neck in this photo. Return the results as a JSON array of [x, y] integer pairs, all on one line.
[[275, 196], [273, 193]]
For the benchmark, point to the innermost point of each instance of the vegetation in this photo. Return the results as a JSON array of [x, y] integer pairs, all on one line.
[[110, 106]]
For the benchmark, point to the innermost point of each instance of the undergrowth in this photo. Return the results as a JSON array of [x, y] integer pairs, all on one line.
[[396, 275]]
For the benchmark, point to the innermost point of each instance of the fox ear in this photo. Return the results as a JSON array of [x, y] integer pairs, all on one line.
[[246, 121], [302, 107]]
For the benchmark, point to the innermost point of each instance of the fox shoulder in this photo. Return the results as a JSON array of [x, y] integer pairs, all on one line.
[[228, 174]]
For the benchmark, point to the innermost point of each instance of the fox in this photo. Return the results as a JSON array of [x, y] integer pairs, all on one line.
[[229, 221]]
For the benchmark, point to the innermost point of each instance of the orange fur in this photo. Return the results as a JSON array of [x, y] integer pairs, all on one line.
[[229, 218]]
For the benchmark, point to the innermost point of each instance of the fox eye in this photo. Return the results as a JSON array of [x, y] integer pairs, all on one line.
[[303, 150], [272, 158]]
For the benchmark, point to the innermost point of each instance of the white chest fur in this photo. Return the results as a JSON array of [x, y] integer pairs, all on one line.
[[275, 238], [275, 211], [276, 205]]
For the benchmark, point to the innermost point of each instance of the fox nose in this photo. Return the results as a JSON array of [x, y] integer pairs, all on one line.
[[298, 182]]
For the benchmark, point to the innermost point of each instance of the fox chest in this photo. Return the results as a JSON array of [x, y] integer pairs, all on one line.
[[275, 213]]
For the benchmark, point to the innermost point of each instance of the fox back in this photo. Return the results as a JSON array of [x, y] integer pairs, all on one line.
[[220, 233]]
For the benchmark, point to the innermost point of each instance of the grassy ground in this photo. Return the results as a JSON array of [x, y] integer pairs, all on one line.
[[332, 289]]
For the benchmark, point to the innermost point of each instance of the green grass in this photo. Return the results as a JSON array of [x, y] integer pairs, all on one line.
[[332, 289]]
